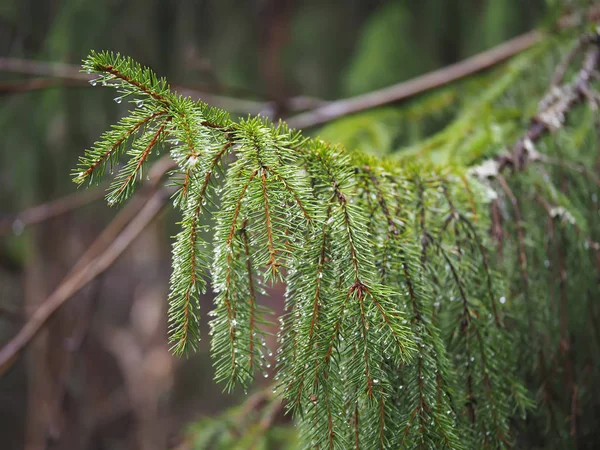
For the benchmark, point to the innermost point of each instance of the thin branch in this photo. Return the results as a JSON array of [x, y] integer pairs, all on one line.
[[53, 75], [113, 241], [559, 73], [37, 84], [252, 299], [143, 157], [46, 211], [432, 80], [127, 214], [291, 191], [486, 266], [272, 264], [125, 136], [415, 86], [522, 249], [54, 208], [74, 282]]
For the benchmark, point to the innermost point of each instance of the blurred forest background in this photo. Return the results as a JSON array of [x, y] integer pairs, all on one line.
[[100, 375]]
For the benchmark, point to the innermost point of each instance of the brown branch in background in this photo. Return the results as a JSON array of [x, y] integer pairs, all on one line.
[[435, 79], [54, 208], [52, 75], [419, 85], [127, 214], [319, 111], [74, 282], [574, 411], [324, 112], [36, 84], [40, 213], [132, 220]]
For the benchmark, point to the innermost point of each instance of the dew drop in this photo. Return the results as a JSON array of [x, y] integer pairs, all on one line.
[[118, 100]]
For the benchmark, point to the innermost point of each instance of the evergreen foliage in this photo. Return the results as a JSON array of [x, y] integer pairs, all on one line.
[[408, 324]]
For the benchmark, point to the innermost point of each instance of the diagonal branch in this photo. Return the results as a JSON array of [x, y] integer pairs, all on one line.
[[111, 243], [45, 211], [415, 86], [85, 274], [431, 80], [56, 75]]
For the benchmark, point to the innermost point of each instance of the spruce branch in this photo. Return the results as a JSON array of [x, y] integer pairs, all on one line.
[[395, 331]]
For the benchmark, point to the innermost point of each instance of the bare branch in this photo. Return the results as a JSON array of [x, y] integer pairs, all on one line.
[[74, 282], [50, 75], [46, 211], [95, 261], [415, 86]]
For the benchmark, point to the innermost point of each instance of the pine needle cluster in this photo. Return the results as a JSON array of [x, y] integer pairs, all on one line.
[[407, 323]]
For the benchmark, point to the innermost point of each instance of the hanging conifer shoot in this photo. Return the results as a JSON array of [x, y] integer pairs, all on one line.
[[435, 295]]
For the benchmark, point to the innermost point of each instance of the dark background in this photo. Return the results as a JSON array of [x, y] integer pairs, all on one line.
[[99, 375]]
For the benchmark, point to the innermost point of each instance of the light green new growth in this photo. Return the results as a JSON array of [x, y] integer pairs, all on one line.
[[397, 331]]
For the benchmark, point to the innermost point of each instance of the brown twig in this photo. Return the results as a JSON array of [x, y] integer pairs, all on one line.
[[415, 86], [52, 75], [45, 211], [94, 261], [435, 79], [37, 84], [126, 215], [74, 282]]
